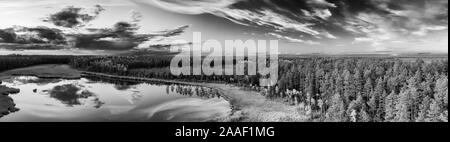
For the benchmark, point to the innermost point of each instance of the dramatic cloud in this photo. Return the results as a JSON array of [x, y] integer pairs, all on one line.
[[122, 36], [363, 25], [171, 32], [71, 17], [381, 23], [73, 33], [25, 35], [192, 6], [7, 36]]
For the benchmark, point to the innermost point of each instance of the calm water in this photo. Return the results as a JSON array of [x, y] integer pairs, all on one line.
[[89, 100]]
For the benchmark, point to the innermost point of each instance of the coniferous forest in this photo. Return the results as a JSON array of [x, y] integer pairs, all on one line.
[[328, 89], [291, 60], [331, 89]]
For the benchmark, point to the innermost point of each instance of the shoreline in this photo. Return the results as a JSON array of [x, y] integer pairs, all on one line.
[[246, 106], [7, 104], [85, 74]]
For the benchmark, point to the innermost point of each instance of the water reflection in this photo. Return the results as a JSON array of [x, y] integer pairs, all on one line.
[[190, 91], [36, 80], [111, 100], [171, 88], [71, 95], [118, 84]]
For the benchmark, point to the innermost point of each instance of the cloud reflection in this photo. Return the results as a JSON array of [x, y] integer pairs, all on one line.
[[72, 95]]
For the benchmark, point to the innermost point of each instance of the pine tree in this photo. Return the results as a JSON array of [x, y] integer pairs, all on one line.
[[380, 94], [434, 113], [326, 86], [358, 106], [352, 111], [349, 87], [418, 78], [380, 87], [441, 95], [358, 81], [365, 117], [393, 84], [339, 85], [403, 107], [380, 71], [372, 103], [336, 112], [414, 95], [424, 108], [390, 109], [444, 116], [428, 86], [368, 87]]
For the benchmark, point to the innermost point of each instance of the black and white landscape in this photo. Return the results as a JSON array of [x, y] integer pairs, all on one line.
[[111, 61]]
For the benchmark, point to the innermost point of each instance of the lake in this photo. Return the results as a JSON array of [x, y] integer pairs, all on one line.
[[91, 100]]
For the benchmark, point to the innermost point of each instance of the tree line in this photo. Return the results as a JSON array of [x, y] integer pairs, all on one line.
[[150, 67], [20, 61], [329, 89], [366, 89], [341, 89]]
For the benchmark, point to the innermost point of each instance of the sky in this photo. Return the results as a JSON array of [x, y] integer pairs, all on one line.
[[301, 26]]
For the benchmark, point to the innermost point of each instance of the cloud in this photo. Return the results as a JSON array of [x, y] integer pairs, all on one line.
[[322, 13], [375, 24], [121, 36], [171, 32], [405, 23], [7, 35], [289, 39], [323, 3], [425, 29], [270, 14], [135, 16], [190, 6], [25, 35], [71, 17], [378, 22], [24, 4]]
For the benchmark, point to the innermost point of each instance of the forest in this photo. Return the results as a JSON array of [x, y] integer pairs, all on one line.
[[331, 89], [19, 61], [366, 89]]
